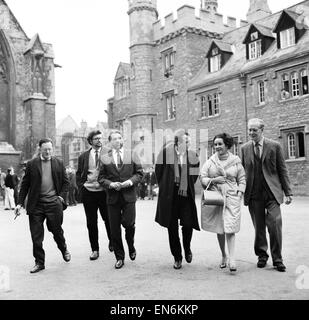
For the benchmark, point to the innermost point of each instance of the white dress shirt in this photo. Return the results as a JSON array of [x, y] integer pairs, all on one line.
[[115, 154], [261, 145]]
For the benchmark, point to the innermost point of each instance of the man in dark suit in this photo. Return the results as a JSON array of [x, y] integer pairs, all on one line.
[[120, 174], [177, 169], [267, 182], [45, 182], [93, 195]]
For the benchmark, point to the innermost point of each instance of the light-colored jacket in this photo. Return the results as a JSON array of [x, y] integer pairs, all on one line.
[[227, 218]]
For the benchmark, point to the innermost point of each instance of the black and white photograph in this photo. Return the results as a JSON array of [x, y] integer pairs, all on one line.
[[154, 155]]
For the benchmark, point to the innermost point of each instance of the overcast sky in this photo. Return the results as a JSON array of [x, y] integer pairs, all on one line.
[[90, 38]]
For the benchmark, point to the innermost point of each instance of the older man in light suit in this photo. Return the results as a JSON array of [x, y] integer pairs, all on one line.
[[267, 182]]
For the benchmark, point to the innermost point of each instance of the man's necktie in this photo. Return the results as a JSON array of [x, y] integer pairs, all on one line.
[[257, 150], [96, 158], [119, 161]]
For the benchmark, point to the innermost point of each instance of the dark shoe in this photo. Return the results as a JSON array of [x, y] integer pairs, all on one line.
[[119, 264], [94, 255], [261, 264], [280, 266], [223, 264], [110, 247], [133, 255], [189, 257], [177, 265], [37, 268], [66, 256], [232, 266]]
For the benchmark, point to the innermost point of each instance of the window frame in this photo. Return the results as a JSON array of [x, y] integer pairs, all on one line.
[[168, 58], [215, 63], [170, 106], [255, 49], [210, 105], [261, 92], [287, 38], [294, 83], [294, 143]]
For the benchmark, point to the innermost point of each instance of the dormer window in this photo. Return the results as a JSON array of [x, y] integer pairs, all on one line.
[[287, 38], [288, 32], [257, 41], [215, 63], [255, 49], [254, 36], [218, 55]]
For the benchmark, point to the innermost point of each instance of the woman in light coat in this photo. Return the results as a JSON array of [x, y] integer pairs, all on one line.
[[225, 173]]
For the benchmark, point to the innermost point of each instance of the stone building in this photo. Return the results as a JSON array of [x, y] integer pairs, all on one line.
[[71, 139], [27, 91], [206, 74]]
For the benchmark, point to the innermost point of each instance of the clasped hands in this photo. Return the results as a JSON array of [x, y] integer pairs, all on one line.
[[118, 185]]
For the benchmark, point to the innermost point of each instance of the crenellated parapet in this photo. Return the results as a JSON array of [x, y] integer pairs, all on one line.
[[138, 5], [186, 17]]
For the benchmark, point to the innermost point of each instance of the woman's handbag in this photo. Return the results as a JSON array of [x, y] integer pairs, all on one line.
[[212, 197]]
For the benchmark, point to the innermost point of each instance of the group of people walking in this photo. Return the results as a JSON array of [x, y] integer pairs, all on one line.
[[107, 178], [259, 178]]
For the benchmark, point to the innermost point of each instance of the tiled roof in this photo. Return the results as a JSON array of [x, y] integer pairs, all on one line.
[[223, 46], [238, 62]]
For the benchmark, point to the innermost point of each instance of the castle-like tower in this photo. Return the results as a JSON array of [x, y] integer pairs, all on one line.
[[258, 9], [142, 15], [209, 5]]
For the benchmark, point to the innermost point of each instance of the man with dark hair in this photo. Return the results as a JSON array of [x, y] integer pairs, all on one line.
[[45, 182], [120, 173], [177, 169], [93, 195], [10, 184], [267, 182]]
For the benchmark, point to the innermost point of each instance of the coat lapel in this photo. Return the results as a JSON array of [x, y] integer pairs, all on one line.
[[39, 166], [54, 170], [265, 149], [86, 163]]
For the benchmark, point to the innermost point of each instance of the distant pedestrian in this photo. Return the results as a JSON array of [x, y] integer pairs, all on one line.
[[16, 184], [2, 185], [45, 182], [72, 187], [10, 184], [267, 182], [151, 182]]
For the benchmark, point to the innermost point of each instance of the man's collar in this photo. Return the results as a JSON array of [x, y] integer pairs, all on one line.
[[44, 159], [260, 143], [116, 151], [96, 150]]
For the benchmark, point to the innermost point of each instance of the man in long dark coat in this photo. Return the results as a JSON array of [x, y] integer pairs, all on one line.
[[177, 169]]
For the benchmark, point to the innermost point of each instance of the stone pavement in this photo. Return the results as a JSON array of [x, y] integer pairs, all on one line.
[[151, 276]]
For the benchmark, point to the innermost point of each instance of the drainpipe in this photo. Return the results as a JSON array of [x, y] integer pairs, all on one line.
[[243, 82]]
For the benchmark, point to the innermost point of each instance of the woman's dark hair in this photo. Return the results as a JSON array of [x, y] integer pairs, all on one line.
[[227, 139], [93, 134]]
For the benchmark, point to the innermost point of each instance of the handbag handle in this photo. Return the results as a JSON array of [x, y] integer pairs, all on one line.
[[209, 183]]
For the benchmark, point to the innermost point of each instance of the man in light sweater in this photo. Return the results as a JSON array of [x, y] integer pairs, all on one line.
[[46, 183]]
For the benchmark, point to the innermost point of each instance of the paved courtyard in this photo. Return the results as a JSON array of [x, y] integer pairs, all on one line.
[[151, 276]]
